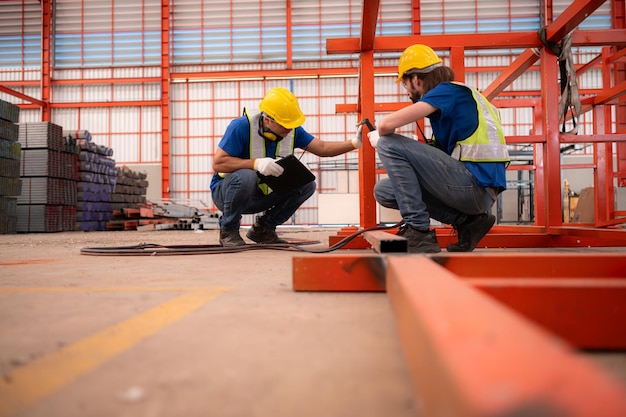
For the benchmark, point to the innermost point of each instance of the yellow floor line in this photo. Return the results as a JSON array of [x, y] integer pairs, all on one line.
[[42, 377], [17, 290]]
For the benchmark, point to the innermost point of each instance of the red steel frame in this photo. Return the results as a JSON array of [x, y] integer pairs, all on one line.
[[482, 349], [474, 325], [547, 138]]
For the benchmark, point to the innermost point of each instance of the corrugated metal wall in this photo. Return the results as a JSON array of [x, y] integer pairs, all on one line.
[[116, 41]]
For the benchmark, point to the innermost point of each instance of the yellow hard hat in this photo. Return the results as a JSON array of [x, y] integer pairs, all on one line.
[[417, 58], [282, 106]]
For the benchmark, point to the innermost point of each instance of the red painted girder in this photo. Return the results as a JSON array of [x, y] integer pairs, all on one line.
[[469, 355], [17, 94], [587, 313], [571, 17], [610, 94], [565, 23], [534, 264], [369, 15], [356, 272], [520, 65], [283, 73], [576, 296], [137, 103], [475, 41], [598, 138]]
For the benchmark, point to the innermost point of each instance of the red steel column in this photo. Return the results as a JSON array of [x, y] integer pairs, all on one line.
[[618, 16], [165, 99], [551, 162], [367, 156], [46, 25]]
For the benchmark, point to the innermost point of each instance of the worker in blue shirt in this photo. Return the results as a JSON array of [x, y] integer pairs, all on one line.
[[251, 144], [457, 179]]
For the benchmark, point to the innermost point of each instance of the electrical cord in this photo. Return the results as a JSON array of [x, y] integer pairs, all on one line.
[[155, 249]]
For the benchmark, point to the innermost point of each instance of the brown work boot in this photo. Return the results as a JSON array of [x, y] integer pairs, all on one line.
[[421, 241], [231, 238], [471, 231], [260, 233]]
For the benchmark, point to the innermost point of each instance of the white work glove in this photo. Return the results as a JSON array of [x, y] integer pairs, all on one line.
[[268, 166], [373, 136], [357, 141]]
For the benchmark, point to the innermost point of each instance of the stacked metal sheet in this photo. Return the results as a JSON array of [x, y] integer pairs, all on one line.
[[10, 153], [96, 181], [49, 174]]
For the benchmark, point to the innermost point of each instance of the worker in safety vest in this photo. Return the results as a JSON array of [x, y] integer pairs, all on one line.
[[455, 181], [251, 144]]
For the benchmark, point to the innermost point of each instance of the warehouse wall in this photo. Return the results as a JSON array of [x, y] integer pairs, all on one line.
[[106, 76]]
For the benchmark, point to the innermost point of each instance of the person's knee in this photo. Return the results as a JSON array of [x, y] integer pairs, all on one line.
[[384, 195], [308, 189], [247, 179]]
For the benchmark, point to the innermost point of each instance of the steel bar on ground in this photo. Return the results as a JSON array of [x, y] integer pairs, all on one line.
[[516, 237], [576, 296], [471, 356], [363, 272], [383, 242]]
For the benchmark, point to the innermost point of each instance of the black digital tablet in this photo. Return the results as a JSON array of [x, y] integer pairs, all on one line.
[[294, 176]]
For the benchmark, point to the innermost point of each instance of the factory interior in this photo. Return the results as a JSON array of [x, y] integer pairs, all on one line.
[[121, 296]]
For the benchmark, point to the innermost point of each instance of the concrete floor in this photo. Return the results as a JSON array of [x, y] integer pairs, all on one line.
[[242, 344], [202, 335]]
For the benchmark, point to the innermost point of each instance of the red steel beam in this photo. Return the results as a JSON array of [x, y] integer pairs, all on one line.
[[578, 297], [565, 23], [470, 356], [522, 237], [519, 66], [587, 313], [475, 41], [364, 272], [22, 96], [369, 16], [571, 17], [575, 296], [83, 104]]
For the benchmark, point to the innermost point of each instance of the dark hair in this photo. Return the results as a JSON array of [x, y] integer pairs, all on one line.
[[437, 76]]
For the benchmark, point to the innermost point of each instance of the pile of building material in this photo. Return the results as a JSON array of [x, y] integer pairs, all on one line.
[[48, 172], [10, 153], [128, 202], [97, 178]]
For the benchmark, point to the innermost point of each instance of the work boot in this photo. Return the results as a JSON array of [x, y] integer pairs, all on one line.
[[261, 233], [231, 238], [421, 242], [471, 231]]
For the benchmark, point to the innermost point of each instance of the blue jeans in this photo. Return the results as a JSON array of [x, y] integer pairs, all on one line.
[[240, 194], [425, 182]]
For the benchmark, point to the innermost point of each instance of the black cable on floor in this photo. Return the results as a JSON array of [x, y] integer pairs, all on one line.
[[155, 249]]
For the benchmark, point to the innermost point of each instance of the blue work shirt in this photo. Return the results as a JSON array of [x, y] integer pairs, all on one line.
[[236, 142], [455, 120]]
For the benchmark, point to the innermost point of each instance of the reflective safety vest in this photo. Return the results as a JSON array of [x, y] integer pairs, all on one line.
[[486, 143], [284, 147]]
